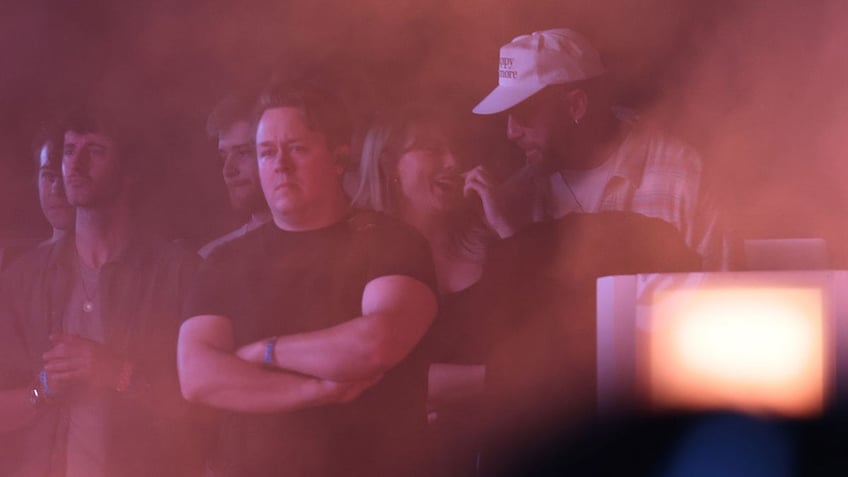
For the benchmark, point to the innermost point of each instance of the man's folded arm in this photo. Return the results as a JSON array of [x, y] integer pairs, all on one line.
[[396, 312], [210, 373]]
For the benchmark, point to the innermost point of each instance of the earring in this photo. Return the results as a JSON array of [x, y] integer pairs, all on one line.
[[576, 122]]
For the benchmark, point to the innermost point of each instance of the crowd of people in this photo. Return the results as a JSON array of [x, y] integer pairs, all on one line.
[[388, 307]]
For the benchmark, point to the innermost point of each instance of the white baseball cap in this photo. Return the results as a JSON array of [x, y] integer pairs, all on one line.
[[530, 62]]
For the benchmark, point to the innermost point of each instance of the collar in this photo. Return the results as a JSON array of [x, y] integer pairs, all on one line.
[[628, 162], [63, 251]]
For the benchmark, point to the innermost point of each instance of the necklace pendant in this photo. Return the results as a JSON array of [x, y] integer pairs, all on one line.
[[87, 306]]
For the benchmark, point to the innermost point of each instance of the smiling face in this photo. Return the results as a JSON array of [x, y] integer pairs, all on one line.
[[300, 174], [427, 176]]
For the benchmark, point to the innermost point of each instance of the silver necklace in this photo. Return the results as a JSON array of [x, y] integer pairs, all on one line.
[[88, 303], [571, 191]]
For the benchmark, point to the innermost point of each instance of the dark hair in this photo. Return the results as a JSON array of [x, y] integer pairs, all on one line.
[[48, 135], [324, 110], [233, 108], [102, 120]]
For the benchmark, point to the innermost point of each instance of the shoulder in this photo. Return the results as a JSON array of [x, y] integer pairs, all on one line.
[[215, 243], [36, 257], [238, 248], [661, 150], [27, 270], [383, 225]]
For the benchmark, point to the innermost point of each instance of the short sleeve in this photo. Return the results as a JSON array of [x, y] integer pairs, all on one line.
[[401, 250], [210, 293]]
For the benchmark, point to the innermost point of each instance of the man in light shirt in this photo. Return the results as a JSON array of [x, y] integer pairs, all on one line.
[[584, 155]]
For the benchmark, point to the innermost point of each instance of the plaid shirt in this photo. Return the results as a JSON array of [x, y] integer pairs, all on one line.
[[657, 176]]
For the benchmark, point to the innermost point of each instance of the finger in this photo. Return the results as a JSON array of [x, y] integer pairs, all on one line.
[[66, 377], [477, 186], [473, 170], [57, 352], [63, 365], [64, 351]]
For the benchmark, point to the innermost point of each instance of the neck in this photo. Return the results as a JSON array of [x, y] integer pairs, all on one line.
[[260, 217], [599, 142], [101, 233], [428, 224], [57, 234], [315, 217]]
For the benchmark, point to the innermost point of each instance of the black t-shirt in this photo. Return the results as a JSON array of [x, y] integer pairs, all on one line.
[[272, 282]]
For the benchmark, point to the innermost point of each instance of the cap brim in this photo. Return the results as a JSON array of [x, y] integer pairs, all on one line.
[[504, 97]]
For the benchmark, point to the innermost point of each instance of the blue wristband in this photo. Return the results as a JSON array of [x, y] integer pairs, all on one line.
[[45, 388], [269, 351]]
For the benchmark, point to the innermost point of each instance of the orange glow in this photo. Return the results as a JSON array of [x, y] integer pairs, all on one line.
[[757, 350]]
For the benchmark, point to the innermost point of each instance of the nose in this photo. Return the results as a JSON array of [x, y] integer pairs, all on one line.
[[230, 170], [283, 161], [74, 161], [514, 131], [449, 161]]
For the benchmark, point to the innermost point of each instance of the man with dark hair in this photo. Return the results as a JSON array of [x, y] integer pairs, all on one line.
[[585, 155], [305, 328], [89, 326], [230, 125], [51, 193], [51, 188]]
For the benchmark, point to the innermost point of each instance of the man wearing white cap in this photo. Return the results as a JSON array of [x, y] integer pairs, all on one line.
[[584, 157]]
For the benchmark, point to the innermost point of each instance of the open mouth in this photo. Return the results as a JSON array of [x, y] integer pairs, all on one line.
[[448, 183]]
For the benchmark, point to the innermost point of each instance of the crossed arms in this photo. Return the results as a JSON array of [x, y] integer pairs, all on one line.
[[326, 366]]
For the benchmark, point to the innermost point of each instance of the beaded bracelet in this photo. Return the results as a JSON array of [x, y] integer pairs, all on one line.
[[45, 387], [268, 360]]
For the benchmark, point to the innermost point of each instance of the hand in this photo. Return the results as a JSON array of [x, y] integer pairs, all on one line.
[[479, 181], [343, 392], [253, 352], [75, 360]]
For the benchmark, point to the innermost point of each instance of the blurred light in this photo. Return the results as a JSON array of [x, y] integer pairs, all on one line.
[[758, 350]]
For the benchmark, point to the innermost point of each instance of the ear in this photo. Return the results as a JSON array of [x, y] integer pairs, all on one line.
[[577, 103]]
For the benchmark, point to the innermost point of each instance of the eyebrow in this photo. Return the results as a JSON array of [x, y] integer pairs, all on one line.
[[284, 142]]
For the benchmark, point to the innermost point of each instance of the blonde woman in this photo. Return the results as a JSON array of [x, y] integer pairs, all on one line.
[[409, 169]]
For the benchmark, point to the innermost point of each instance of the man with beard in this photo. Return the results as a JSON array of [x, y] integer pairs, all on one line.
[[230, 124], [89, 325], [583, 154]]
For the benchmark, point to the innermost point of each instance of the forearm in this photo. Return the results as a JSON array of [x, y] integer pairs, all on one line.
[[222, 380], [16, 409], [396, 312], [353, 350]]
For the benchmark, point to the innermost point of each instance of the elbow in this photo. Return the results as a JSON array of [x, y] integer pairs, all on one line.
[[192, 385], [381, 353], [191, 389]]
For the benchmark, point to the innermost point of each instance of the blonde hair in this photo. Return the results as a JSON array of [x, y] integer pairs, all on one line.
[[373, 191], [382, 146]]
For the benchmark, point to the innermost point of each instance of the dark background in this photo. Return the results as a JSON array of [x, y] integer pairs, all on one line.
[[758, 87]]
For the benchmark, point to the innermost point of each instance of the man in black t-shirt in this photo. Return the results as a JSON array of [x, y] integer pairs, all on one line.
[[305, 327]]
